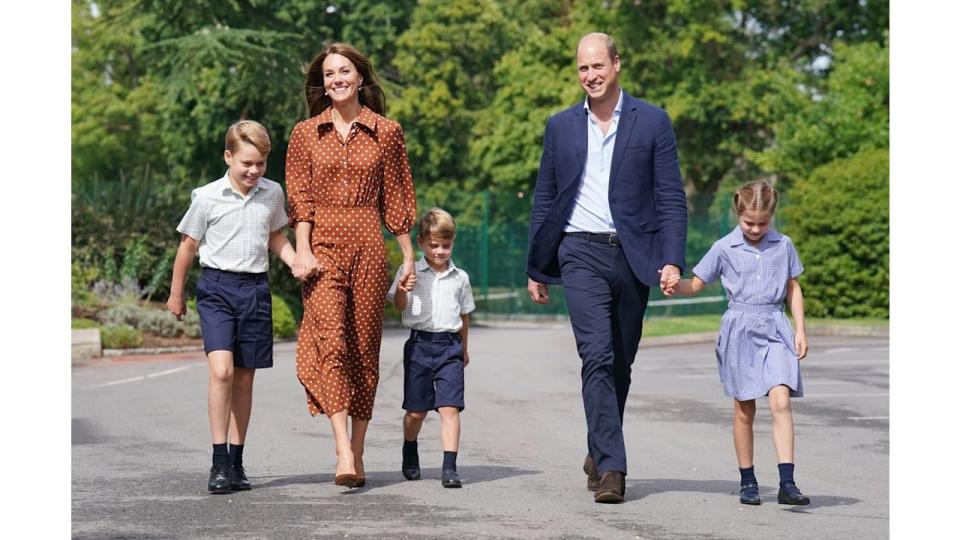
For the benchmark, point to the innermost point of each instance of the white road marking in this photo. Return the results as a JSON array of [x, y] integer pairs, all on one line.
[[850, 394], [868, 417], [145, 377]]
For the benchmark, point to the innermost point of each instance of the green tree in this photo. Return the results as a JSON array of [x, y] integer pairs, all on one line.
[[848, 114], [444, 59]]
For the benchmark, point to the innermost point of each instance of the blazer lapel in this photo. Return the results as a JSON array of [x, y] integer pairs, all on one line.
[[628, 117], [580, 137]]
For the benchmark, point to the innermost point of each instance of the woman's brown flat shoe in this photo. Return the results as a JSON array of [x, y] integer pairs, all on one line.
[[349, 480]]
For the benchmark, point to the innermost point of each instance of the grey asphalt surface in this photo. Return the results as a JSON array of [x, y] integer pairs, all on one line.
[[141, 453]]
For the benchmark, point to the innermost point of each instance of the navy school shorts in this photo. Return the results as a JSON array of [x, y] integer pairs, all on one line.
[[432, 371], [236, 315]]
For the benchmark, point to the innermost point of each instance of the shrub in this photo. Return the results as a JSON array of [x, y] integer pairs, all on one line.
[[284, 325], [120, 337], [155, 321], [83, 323], [839, 220], [81, 280]]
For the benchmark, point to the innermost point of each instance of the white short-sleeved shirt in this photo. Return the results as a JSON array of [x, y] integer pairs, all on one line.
[[437, 300], [234, 230]]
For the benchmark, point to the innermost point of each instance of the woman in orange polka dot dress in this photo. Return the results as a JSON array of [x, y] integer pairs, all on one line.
[[346, 172]]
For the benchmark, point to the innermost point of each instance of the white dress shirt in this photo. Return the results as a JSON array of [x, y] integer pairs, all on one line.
[[591, 210]]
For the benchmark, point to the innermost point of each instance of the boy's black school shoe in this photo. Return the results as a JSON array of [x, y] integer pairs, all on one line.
[[750, 493], [410, 466], [239, 481], [790, 494], [221, 476], [450, 479]]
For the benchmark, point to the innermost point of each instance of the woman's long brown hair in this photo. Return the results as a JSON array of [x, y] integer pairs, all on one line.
[[371, 95]]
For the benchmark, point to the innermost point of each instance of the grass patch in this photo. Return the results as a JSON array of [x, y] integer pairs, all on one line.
[[694, 324], [690, 324]]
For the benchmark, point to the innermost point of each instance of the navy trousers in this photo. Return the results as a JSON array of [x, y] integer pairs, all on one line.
[[606, 304]]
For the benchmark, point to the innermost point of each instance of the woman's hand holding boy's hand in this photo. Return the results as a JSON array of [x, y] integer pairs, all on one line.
[[177, 306], [304, 265], [409, 277]]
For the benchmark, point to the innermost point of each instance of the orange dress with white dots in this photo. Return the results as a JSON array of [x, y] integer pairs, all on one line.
[[346, 188]]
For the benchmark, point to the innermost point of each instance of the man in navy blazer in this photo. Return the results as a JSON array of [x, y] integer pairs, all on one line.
[[609, 220]]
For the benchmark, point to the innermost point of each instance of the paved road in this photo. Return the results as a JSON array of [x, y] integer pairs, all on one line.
[[141, 451]]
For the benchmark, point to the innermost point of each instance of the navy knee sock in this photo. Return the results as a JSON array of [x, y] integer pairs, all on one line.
[[236, 454], [786, 473], [746, 476], [450, 461], [220, 454], [410, 452]]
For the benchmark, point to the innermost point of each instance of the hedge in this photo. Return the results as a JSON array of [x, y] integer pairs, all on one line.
[[839, 219]]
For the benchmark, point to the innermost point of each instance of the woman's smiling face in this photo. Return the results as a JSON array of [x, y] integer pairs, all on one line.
[[341, 79]]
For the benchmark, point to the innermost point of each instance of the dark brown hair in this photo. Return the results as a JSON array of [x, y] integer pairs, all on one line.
[[371, 95]]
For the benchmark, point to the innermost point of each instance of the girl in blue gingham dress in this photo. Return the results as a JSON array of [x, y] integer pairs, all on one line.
[[757, 352]]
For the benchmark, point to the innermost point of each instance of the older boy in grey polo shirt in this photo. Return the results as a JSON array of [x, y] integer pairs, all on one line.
[[232, 222], [437, 312]]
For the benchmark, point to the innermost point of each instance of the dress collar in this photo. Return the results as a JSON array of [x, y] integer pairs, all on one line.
[[366, 118]]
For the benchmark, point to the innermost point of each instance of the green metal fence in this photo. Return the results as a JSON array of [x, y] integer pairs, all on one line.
[[492, 248]]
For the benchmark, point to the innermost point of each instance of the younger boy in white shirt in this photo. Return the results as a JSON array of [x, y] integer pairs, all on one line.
[[437, 312]]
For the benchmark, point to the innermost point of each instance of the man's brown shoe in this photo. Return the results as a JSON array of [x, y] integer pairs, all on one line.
[[590, 467], [612, 486]]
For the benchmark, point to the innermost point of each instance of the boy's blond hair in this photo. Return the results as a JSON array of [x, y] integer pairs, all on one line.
[[250, 132], [437, 223]]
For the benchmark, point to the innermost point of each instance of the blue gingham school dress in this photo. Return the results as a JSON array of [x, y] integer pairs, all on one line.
[[755, 349]]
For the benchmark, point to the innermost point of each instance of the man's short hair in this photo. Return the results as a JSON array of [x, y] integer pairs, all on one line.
[[607, 41]]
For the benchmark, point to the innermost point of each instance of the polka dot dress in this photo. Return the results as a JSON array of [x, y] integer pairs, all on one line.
[[346, 188]]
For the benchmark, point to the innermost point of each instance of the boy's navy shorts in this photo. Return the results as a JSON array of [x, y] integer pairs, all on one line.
[[432, 371], [236, 315]]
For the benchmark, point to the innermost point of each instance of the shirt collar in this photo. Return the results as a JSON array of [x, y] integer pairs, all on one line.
[[422, 266], [367, 118], [226, 187], [616, 110], [735, 238]]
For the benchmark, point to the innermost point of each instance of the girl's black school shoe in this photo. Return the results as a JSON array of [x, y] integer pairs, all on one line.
[[239, 481], [790, 494], [450, 479], [221, 475], [750, 493]]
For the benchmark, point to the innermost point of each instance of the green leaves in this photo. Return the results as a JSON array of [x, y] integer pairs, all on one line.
[[839, 220]]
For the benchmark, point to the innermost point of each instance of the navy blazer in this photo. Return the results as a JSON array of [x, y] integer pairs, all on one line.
[[646, 194]]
